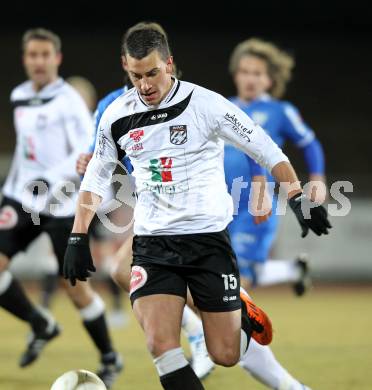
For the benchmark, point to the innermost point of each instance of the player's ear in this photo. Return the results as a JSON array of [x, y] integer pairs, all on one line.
[[124, 63], [59, 58], [169, 63]]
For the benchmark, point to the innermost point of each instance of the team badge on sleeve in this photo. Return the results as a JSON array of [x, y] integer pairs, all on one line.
[[178, 134]]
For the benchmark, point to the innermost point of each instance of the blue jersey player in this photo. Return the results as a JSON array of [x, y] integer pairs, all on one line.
[[260, 72]]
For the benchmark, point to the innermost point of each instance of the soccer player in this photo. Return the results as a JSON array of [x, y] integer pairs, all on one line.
[[173, 133], [53, 126], [261, 72], [191, 324], [50, 280]]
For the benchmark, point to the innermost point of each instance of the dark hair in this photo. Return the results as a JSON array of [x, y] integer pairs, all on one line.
[[41, 34], [140, 40]]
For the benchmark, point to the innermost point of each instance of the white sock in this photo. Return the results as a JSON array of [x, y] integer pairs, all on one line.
[[170, 361], [94, 309], [260, 362], [192, 325], [277, 271], [243, 343]]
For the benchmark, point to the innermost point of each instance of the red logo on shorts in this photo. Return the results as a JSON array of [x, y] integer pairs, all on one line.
[[8, 218], [138, 278]]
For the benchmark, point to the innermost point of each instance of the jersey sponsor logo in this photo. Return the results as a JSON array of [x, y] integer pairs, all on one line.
[[8, 218], [178, 134], [163, 175], [166, 189], [238, 127], [136, 135], [162, 115], [231, 298], [138, 278], [137, 147], [161, 169]]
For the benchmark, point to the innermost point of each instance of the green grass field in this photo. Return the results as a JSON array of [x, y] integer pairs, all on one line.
[[324, 339]]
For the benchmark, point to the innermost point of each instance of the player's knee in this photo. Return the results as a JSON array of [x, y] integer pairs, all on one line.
[[120, 278], [81, 294], [4, 262], [157, 345], [226, 357]]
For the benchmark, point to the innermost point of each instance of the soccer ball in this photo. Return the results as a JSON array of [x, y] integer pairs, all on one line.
[[78, 380]]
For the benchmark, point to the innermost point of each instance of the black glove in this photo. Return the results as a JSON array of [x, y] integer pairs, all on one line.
[[316, 215], [78, 262]]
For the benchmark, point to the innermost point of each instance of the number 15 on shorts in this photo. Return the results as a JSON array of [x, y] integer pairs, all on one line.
[[229, 281]]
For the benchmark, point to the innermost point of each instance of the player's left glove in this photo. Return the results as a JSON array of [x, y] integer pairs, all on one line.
[[310, 215], [78, 262]]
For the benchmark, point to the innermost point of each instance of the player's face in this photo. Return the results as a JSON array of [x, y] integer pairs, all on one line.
[[150, 75], [251, 78], [41, 62]]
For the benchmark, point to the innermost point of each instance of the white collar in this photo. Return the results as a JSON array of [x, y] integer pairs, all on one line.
[[166, 99], [49, 90]]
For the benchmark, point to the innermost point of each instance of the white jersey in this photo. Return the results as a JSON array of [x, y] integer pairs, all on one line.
[[176, 150], [52, 126]]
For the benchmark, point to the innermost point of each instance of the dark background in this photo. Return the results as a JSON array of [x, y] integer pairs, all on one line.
[[332, 44]]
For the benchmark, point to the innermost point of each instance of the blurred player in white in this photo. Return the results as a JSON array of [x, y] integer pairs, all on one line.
[[52, 126], [104, 243]]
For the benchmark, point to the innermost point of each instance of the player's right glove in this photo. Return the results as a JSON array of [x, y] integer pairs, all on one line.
[[78, 262], [310, 215]]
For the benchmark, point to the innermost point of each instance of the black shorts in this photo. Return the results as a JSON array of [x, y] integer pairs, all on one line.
[[17, 230], [205, 263]]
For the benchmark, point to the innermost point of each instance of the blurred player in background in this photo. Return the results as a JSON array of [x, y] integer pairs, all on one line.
[[53, 126], [261, 72], [104, 243], [50, 279]]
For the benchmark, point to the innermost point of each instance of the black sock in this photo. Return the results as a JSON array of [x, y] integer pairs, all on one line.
[[182, 379], [49, 285], [98, 332], [116, 293], [15, 301]]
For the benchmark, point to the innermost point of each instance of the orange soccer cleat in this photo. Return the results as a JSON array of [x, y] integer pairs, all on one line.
[[262, 330]]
